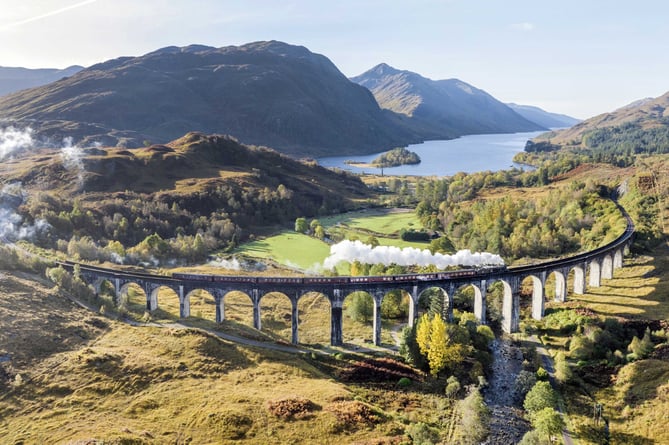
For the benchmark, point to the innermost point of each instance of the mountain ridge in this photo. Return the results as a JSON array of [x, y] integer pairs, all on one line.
[[263, 93], [543, 117], [645, 113], [13, 79], [444, 108]]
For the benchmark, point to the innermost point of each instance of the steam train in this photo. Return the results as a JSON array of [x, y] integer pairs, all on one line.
[[460, 273]]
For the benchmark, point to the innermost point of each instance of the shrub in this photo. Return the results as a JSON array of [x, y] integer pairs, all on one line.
[[548, 422], [404, 382], [452, 387], [531, 438], [563, 372], [422, 434], [352, 414], [474, 416], [539, 397], [523, 384], [291, 408]]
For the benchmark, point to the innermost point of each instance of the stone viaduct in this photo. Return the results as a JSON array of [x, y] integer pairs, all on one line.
[[588, 268]]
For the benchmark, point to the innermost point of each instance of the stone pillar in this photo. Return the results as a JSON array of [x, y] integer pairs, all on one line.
[[538, 286], [294, 320], [561, 285], [448, 300], [220, 306], [153, 300], [97, 285], [579, 279], [184, 303], [480, 302], [511, 307], [336, 320], [255, 298], [117, 291], [376, 320], [595, 274], [413, 306], [607, 267], [151, 297], [618, 259], [147, 293]]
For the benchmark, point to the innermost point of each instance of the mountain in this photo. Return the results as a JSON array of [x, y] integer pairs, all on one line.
[[263, 93], [16, 79], [191, 164], [440, 109], [197, 183], [542, 117], [644, 115]]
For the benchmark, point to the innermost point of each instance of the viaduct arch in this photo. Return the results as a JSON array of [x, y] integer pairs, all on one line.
[[596, 265]]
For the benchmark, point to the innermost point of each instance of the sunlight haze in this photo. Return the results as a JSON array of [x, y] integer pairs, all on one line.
[[572, 57]]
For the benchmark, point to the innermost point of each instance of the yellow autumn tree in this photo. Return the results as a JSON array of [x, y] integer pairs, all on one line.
[[423, 334], [433, 342], [437, 354]]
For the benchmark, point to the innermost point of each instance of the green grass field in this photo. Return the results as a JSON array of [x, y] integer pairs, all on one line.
[[379, 221], [297, 250], [288, 248]]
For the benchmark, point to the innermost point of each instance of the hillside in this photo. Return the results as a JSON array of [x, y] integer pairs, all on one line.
[[441, 109], [70, 375], [542, 117], [263, 93], [645, 115], [207, 185], [14, 79], [183, 164]]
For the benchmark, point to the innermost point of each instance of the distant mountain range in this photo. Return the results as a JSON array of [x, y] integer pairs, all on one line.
[[263, 93], [645, 114], [441, 109], [16, 79], [542, 117]]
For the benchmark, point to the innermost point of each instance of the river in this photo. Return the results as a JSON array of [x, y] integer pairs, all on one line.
[[507, 425], [469, 154]]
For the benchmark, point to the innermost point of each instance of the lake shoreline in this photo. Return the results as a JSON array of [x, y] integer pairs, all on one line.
[[439, 158]]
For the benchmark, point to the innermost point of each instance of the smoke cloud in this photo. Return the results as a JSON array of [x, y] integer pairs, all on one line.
[[71, 156], [232, 264], [12, 226], [350, 251], [13, 139]]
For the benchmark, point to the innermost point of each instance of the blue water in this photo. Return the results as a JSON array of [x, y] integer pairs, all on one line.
[[467, 154]]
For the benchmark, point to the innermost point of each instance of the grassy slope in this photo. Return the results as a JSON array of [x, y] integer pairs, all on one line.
[[637, 400], [95, 378], [168, 386]]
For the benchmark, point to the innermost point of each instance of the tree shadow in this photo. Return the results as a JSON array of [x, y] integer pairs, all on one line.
[[630, 439]]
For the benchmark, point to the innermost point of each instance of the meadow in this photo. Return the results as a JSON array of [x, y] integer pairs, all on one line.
[[296, 250], [95, 379]]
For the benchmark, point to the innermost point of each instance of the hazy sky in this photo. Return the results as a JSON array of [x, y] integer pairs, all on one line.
[[579, 57]]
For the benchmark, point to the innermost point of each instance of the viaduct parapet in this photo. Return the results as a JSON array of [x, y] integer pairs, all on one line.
[[588, 269]]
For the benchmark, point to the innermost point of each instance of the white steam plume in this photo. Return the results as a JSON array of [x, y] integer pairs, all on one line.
[[12, 227], [71, 156], [13, 139], [232, 264], [351, 251]]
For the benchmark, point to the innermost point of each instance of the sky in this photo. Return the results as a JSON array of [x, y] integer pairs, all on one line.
[[577, 57]]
